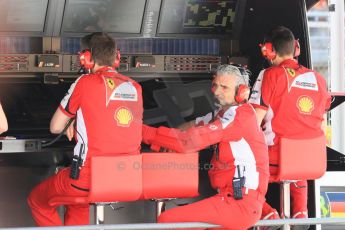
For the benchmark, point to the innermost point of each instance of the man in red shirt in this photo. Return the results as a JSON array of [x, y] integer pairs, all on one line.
[[291, 100], [240, 162], [108, 108]]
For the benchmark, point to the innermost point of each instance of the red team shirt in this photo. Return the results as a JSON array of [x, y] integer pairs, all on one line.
[[295, 98], [108, 108], [238, 145]]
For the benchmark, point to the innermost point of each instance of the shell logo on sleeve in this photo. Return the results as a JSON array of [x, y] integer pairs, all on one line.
[[123, 116], [305, 104]]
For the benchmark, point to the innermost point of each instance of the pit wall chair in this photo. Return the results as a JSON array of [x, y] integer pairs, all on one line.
[[148, 176], [299, 160]]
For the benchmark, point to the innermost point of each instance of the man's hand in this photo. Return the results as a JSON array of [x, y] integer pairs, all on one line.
[[70, 131]]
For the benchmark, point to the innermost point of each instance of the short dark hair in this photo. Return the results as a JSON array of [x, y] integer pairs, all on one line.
[[283, 40], [102, 47], [85, 42]]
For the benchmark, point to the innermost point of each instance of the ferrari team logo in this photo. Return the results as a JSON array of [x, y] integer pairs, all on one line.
[[305, 104], [110, 83], [291, 72], [123, 116]]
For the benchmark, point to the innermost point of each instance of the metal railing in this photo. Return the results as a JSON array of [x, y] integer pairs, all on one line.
[[141, 226]]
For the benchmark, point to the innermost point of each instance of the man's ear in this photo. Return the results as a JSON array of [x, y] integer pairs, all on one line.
[[117, 59]]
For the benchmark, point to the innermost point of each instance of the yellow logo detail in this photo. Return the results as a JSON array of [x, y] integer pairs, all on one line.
[[291, 72], [305, 104], [110, 83], [123, 116]]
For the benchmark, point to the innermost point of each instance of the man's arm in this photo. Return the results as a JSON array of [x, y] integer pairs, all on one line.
[[191, 140], [255, 98], [194, 138], [148, 132], [260, 114], [3, 121], [186, 125], [68, 109], [324, 123], [58, 122]]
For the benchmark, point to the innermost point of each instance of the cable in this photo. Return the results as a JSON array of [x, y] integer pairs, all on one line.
[[43, 145], [82, 139]]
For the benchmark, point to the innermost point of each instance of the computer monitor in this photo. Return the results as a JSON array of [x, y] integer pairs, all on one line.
[[87, 16], [23, 15], [199, 17]]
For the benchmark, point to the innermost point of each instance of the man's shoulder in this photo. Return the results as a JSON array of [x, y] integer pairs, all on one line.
[[82, 79], [319, 78], [86, 77], [88, 80], [129, 79], [274, 70], [245, 109], [241, 115]]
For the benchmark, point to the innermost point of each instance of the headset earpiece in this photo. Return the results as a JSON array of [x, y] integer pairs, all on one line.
[[85, 59], [117, 59], [242, 90], [267, 51], [242, 94], [297, 51]]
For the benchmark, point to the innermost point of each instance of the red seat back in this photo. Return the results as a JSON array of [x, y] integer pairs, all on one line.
[[170, 175], [115, 178], [302, 159]]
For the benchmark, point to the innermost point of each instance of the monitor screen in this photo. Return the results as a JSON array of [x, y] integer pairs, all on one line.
[[22, 15], [197, 17], [112, 16]]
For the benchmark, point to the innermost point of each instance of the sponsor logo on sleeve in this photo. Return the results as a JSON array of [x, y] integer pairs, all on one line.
[[305, 81], [125, 92]]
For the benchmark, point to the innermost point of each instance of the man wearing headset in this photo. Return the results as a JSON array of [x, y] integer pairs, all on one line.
[[108, 110], [240, 160], [290, 101]]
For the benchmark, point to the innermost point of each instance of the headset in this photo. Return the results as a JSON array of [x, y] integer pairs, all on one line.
[[242, 91], [242, 94], [85, 59], [268, 52]]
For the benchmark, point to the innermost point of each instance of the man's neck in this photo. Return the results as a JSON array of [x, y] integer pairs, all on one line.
[[226, 107], [97, 67], [280, 59]]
